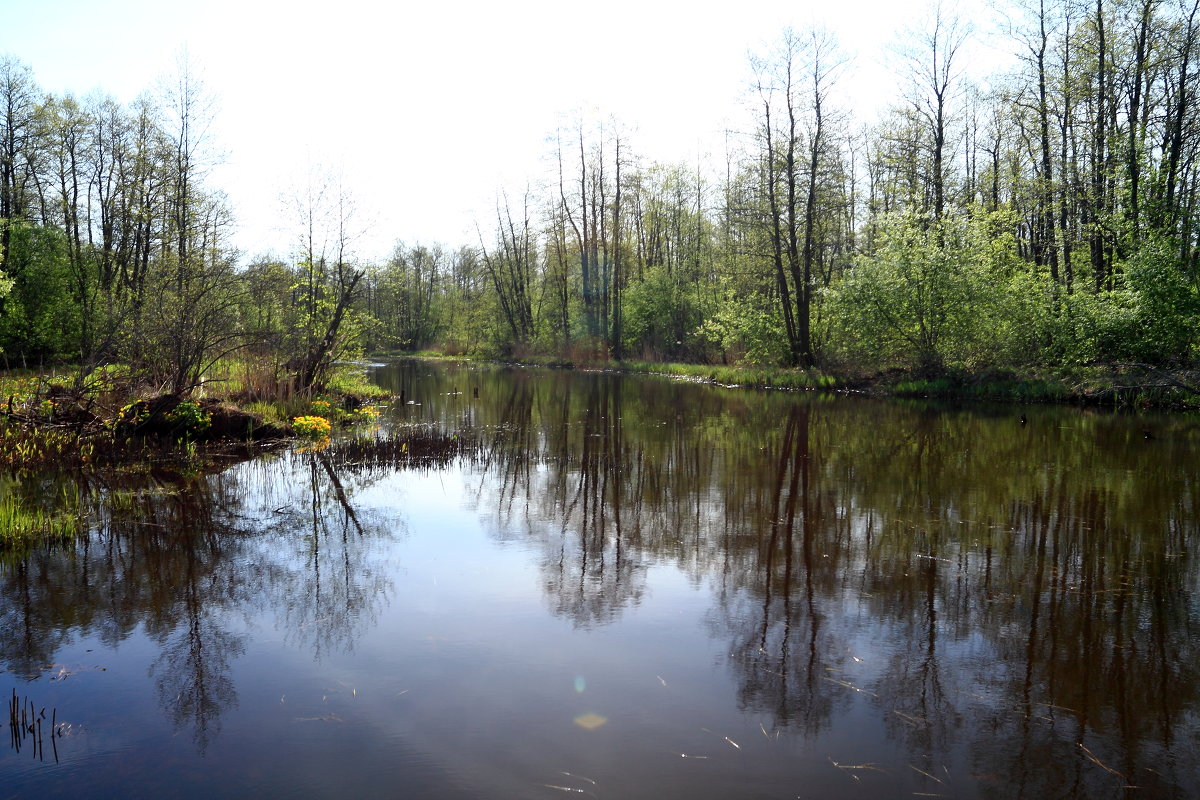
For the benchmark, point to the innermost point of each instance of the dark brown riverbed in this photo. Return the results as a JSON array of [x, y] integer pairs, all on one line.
[[628, 587]]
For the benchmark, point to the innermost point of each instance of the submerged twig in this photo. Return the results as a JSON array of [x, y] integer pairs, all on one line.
[[1091, 757], [578, 777], [926, 774], [849, 685], [567, 789]]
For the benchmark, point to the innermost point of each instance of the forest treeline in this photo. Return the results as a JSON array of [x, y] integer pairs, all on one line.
[[1047, 219]]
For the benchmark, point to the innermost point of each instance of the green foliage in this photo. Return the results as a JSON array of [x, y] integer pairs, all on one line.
[[409, 286], [747, 331], [930, 295], [1153, 318], [662, 314], [190, 418], [6, 283], [39, 318]]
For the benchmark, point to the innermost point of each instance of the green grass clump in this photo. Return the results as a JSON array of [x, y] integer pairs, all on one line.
[[23, 524], [24, 446]]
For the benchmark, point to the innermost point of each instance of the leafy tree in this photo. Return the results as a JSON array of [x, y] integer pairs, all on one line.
[[1154, 314], [38, 317], [929, 293], [662, 318]]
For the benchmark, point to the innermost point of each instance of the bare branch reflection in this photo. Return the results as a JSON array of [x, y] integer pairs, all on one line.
[[183, 557]]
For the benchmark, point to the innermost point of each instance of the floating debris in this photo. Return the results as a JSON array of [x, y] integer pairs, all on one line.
[[849, 685], [724, 738], [916, 722], [848, 768], [578, 777], [567, 789], [589, 722], [1091, 757], [926, 774]]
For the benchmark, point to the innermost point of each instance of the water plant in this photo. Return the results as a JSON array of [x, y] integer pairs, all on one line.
[[25, 726], [23, 523]]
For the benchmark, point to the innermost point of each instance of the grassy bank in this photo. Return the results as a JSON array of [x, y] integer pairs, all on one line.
[[53, 420]]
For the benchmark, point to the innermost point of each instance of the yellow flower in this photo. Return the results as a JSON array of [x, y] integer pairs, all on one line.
[[312, 427]]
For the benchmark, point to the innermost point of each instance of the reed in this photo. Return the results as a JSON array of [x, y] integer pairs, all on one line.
[[26, 729]]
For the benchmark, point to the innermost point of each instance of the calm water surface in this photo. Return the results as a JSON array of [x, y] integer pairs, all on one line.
[[628, 587]]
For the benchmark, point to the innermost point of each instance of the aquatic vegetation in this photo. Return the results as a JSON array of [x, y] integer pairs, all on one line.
[[27, 725], [28, 446], [23, 522], [424, 445]]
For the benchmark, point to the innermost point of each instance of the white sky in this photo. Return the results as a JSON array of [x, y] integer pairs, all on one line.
[[427, 110]]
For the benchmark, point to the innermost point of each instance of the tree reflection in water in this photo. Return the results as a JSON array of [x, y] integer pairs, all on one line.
[[1011, 606], [1013, 598], [182, 558]]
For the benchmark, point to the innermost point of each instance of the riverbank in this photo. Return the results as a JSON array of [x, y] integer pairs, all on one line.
[[1120, 385], [55, 421], [49, 424]]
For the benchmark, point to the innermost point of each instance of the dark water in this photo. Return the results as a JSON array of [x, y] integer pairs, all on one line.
[[630, 588]]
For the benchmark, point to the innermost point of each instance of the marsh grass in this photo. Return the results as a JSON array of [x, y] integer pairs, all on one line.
[[24, 522], [31, 446], [416, 445]]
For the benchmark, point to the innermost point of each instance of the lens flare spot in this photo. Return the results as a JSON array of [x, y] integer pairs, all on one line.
[[580, 683], [590, 721]]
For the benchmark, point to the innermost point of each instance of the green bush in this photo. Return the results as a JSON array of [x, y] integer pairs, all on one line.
[[190, 419]]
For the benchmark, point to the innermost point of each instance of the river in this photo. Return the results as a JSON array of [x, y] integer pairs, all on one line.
[[627, 587]]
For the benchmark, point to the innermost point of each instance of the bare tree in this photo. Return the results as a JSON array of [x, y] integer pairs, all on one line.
[[932, 58]]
